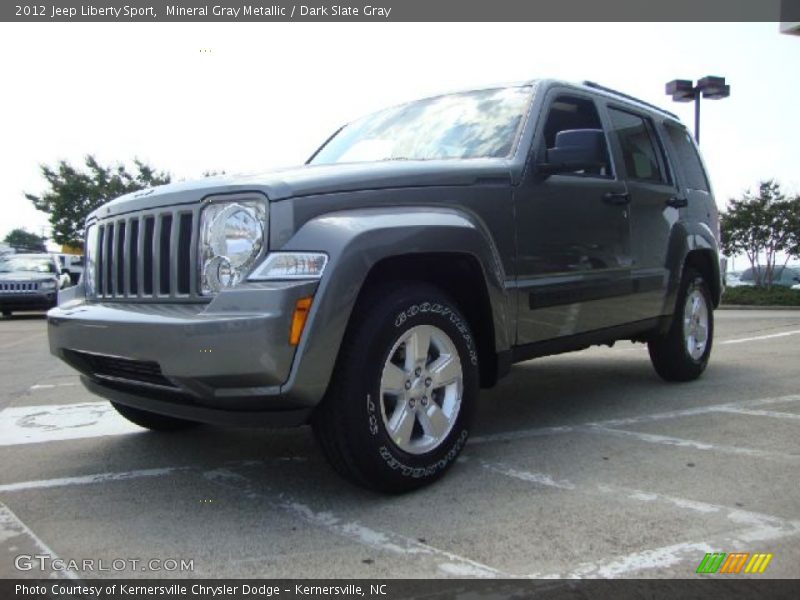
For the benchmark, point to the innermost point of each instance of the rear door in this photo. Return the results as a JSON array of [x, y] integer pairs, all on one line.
[[655, 204]]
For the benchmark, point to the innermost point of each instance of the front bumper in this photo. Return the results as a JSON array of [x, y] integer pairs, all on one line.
[[231, 354], [28, 301]]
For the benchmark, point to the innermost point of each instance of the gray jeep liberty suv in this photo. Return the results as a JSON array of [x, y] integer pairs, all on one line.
[[417, 255]]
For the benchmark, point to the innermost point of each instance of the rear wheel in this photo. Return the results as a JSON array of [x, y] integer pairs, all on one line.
[[682, 354], [150, 420], [401, 399]]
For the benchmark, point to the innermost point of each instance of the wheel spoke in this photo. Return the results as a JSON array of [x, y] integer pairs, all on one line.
[[417, 346], [695, 304], [433, 420], [401, 424], [445, 370], [393, 380]]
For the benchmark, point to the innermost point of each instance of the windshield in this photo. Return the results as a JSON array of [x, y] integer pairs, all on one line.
[[478, 124], [33, 264]]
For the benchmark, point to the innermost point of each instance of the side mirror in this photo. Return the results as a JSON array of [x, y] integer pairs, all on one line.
[[575, 150]]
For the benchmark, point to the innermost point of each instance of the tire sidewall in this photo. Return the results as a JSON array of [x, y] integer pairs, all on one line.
[[380, 458]]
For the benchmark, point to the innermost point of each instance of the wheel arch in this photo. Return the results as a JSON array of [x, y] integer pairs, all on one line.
[[369, 246], [692, 244], [459, 276]]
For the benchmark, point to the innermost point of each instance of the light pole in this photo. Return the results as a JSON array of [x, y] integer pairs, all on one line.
[[712, 88]]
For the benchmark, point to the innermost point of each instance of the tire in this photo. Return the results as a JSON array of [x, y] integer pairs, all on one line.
[[692, 328], [153, 421], [392, 419], [6, 313]]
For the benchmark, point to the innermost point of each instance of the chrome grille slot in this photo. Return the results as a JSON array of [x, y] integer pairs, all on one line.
[[19, 287], [148, 256]]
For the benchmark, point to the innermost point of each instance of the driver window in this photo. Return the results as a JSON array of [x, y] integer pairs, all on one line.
[[572, 112]]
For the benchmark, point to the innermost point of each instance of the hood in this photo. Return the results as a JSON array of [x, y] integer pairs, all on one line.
[[26, 276], [311, 180]]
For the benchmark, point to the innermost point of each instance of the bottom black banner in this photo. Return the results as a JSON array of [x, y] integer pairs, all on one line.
[[230, 589]]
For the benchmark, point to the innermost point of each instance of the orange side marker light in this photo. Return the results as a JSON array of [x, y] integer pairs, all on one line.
[[301, 308]]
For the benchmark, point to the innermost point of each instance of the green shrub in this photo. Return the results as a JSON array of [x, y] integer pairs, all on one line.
[[759, 296]]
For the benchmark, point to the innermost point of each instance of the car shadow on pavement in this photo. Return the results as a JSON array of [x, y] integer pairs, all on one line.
[[271, 464]]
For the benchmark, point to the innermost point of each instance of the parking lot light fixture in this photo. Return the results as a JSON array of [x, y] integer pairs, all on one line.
[[709, 87]]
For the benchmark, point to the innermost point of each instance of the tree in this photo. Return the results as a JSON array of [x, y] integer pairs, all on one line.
[[74, 193], [761, 227], [22, 239]]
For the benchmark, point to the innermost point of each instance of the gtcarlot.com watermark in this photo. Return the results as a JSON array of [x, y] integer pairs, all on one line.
[[50, 564]]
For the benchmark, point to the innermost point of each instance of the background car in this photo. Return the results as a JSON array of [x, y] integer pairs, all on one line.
[[29, 282], [734, 279], [783, 276]]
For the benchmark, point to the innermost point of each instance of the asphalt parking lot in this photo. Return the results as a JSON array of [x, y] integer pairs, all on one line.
[[581, 465]]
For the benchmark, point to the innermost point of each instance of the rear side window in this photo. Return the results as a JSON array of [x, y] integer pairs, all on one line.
[[639, 146], [687, 157]]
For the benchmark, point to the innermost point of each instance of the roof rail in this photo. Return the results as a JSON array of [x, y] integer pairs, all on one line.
[[597, 86]]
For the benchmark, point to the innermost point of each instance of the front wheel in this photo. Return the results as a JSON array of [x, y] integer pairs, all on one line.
[[150, 420], [398, 411], [682, 354]]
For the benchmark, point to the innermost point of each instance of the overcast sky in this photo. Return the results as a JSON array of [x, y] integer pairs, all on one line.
[[266, 95]]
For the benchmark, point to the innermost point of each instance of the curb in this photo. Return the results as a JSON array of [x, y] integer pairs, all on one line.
[[755, 307]]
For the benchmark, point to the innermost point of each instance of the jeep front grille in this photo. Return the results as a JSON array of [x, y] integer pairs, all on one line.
[[20, 287], [147, 255]]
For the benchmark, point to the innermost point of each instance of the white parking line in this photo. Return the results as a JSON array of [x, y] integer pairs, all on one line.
[[56, 422], [700, 410], [760, 413], [48, 386], [508, 436], [758, 338], [448, 563], [666, 440], [12, 527], [540, 478], [23, 486], [88, 479]]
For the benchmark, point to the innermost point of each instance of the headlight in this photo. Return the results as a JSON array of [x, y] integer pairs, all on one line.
[[291, 265], [90, 253], [47, 285], [231, 239]]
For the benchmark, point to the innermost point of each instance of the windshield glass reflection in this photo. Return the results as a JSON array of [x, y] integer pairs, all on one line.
[[476, 124]]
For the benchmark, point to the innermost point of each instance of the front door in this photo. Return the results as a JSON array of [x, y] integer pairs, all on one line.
[[573, 236]]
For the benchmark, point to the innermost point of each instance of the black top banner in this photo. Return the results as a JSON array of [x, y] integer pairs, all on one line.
[[401, 10]]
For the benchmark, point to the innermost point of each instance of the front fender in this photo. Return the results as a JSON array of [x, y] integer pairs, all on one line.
[[355, 241]]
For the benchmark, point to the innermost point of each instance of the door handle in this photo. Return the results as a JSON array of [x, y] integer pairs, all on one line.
[[617, 198], [678, 202]]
